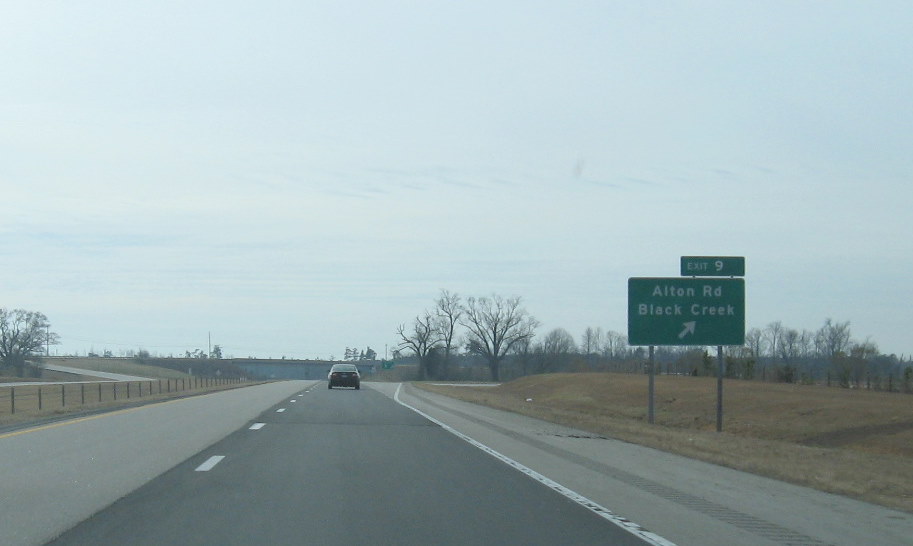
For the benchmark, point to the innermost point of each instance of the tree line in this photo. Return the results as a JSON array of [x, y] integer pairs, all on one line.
[[500, 333], [493, 327], [829, 354]]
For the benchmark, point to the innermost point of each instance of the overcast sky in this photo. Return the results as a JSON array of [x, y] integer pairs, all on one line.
[[301, 177]]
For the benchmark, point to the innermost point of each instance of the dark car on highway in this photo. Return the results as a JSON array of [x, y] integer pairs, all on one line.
[[344, 375]]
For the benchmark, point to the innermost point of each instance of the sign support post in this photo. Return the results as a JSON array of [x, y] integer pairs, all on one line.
[[650, 405], [719, 389]]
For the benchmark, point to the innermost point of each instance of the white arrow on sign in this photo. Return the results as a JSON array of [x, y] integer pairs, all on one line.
[[689, 329]]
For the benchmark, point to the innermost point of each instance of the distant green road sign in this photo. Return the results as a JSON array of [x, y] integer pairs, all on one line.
[[685, 311], [713, 266]]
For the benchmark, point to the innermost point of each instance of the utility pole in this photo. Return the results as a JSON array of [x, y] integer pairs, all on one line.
[[210, 345]]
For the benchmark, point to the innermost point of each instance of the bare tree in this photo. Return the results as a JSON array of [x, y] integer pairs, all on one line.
[[832, 342], [555, 348], [787, 353], [614, 345], [861, 357], [495, 326], [524, 354], [754, 340], [789, 345], [833, 338], [590, 341], [773, 334], [622, 348], [23, 334], [806, 343], [422, 341], [448, 317]]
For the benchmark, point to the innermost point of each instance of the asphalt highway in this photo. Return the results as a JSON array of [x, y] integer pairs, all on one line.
[[344, 467], [294, 463]]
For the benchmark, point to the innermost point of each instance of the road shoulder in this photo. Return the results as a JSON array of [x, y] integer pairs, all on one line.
[[686, 501]]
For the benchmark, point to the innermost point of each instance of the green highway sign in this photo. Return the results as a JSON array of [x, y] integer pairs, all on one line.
[[686, 311], [713, 266]]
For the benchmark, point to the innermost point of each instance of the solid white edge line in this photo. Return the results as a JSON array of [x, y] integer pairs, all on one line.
[[210, 463], [605, 513], [257, 426]]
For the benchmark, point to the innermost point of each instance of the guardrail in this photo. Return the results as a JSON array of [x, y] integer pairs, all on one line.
[[57, 397]]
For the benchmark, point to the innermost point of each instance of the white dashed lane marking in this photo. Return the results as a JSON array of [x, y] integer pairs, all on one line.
[[257, 426], [280, 410], [210, 463]]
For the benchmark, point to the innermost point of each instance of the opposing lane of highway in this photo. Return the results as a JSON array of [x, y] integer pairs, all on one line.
[[57, 475]]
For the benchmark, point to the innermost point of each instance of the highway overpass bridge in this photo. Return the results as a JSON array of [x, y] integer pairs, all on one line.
[[298, 369]]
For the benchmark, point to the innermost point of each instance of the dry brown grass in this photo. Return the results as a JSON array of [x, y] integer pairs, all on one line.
[[849, 442]]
